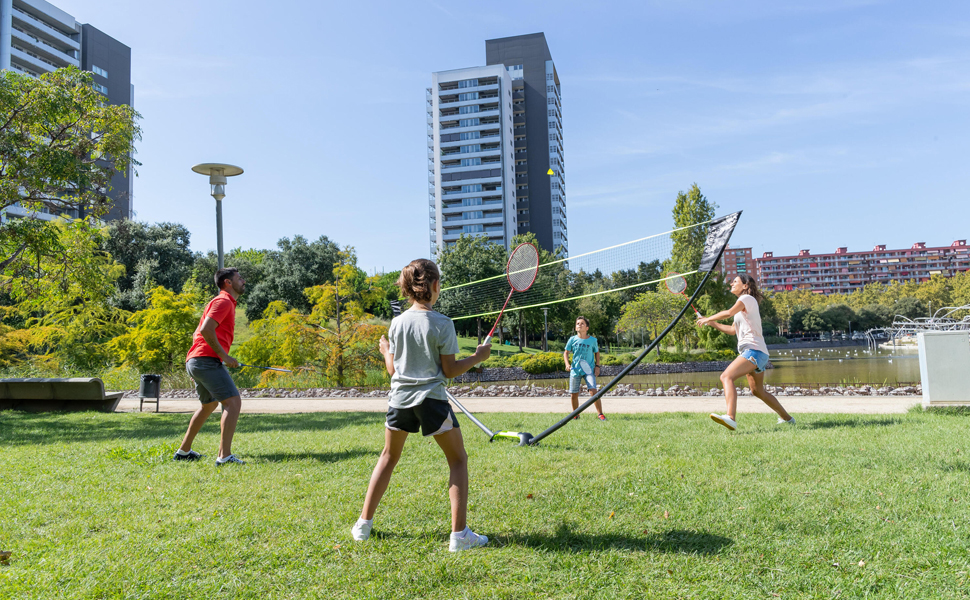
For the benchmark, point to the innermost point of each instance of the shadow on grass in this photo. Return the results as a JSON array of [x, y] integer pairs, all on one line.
[[958, 466], [679, 541], [853, 422], [22, 428], [324, 457]]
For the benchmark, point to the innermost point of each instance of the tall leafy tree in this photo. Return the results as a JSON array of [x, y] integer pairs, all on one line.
[[690, 208], [349, 342], [60, 144], [294, 266], [153, 255], [470, 258], [160, 335]]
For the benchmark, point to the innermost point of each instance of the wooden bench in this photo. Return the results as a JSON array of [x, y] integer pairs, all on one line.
[[40, 395]]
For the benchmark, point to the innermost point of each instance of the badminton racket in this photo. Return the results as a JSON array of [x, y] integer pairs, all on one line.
[[521, 271], [677, 283], [266, 368]]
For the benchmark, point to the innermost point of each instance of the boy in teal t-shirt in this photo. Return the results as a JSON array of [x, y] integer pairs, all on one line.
[[584, 364]]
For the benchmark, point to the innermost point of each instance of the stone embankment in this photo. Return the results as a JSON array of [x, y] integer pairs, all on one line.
[[534, 391]]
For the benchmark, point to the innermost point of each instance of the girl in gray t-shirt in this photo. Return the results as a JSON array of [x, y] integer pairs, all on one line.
[[419, 354]]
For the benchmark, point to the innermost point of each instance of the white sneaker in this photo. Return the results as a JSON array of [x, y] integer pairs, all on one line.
[[361, 529], [781, 421], [466, 540], [725, 420]]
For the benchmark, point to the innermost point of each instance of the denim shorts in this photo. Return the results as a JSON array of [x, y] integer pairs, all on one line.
[[576, 382], [212, 379], [757, 358]]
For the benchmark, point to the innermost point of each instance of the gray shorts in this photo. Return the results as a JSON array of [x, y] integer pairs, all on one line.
[[212, 379], [576, 382]]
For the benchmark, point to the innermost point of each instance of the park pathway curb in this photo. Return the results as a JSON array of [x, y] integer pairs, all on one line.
[[611, 404]]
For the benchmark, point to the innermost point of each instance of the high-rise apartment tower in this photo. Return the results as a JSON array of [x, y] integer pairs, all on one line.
[[37, 37], [494, 133]]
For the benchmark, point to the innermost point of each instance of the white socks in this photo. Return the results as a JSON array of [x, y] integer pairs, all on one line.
[[181, 452]]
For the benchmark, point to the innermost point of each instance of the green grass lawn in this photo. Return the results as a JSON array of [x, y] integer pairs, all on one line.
[[647, 506]]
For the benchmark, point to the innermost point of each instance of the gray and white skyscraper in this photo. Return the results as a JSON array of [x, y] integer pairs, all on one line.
[[494, 132], [36, 37]]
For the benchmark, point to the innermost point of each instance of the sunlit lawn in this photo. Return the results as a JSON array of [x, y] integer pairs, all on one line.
[[654, 506]]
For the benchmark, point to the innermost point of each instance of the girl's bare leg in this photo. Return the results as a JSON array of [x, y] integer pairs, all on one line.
[[379, 480], [739, 368], [757, 383], [453, 446]]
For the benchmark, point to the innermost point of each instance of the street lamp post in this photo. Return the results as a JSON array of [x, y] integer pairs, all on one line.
[[217, 173], [545, 329]]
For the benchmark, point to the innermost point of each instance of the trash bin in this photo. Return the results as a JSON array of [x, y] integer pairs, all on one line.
[[151, 388]]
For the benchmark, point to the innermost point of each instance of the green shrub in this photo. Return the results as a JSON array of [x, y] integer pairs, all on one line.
[[710, 355], [776, 339], [544, 362], [613, 360], [516, 360]]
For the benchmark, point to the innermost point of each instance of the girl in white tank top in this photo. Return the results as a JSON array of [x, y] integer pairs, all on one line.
[[751, 345]]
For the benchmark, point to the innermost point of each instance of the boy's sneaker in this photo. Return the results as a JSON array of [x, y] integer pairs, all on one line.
[[229, 459], [361, 529], [725, 420], [602, 417], [190, 455], [466, 540], [781, 421]]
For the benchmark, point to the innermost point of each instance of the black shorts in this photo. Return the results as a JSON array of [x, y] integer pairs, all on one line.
[[432, 416]]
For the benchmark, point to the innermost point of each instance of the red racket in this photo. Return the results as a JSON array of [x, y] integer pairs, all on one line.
[[677, 283], [521, 271]]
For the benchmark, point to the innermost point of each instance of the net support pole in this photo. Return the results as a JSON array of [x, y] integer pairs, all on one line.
[[705, 262], [471, 417]]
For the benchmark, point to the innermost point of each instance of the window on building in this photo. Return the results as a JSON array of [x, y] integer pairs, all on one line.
[[471, 148], [471, 162], [475, 187], [468, 96], [471, 201], [472, 228], [101, 88], [468, 122], [468, 83], [475, 214], [463, 110], [548, 76], [99, 71], [470, 135]]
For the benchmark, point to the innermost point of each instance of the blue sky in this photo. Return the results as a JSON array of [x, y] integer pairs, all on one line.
[[829, 122]]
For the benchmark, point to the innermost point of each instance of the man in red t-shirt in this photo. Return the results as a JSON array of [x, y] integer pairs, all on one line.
[[206, 364]]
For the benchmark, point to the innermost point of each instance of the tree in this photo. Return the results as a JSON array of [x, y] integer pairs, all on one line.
[[153, 255], [161, 334], [60, 144], [690, 209], [838, 317], [650, 310], [282, 337], [288, 271], [935, 293], [911, 308], [64, 300], [349, 343], [470, 258]]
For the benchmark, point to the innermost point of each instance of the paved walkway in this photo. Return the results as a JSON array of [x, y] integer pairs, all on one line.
[[614, 404]]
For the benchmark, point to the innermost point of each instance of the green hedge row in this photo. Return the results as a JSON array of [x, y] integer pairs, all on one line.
[[679, 357], [550, 362]]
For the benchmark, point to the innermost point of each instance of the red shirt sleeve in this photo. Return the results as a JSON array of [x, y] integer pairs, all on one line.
[[220, 310]]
